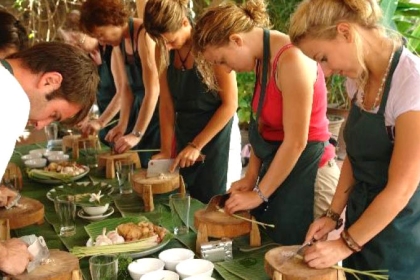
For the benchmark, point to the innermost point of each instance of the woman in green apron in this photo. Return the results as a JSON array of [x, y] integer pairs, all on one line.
[[200, 120], [133, 50], [289, 132], [380, 176]]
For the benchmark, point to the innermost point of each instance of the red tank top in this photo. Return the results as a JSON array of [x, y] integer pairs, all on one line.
[[271, 117]]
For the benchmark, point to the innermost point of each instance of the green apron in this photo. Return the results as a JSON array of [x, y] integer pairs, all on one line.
[[290, 207], [369, 149], [151, 137], [195, 105], [7, 66], [106, 88]]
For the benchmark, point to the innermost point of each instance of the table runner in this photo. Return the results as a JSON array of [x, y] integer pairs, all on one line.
[[133, 205]]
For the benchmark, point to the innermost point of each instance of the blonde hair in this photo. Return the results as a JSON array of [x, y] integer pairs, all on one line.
[[163, 16], [318, 19], [217, 23]]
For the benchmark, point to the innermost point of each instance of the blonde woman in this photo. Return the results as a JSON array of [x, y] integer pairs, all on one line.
[[289, 129], [202, 121], [380, 176]]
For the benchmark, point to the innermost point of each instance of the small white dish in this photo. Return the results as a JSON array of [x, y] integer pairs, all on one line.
[[194, 267], [173, 256], [95, 210], [58, 158], [52, 153], [140, 267], [200, 277], [38, 151], [85, 216], [31, 156], [36, 163], [160, 274]]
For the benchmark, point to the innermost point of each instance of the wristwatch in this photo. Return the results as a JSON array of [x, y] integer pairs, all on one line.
[[137, 133]]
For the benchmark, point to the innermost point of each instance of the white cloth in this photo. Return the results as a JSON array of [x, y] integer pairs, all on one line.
[[404, 94], [234, 163], [14, 114]]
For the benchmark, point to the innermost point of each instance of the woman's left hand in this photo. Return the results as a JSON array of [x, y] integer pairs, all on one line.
[[125, 143], [242, 200], [324, 254]]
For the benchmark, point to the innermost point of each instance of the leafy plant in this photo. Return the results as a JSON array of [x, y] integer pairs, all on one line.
[[337, 96], [246, 82]]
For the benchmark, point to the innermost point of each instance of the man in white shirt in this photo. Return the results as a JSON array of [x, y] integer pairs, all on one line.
[[45, 83]]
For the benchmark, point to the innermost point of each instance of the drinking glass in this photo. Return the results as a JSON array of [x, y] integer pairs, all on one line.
[[65, 207], [103, 267], [51, 133], [180, 211], [124, 170]]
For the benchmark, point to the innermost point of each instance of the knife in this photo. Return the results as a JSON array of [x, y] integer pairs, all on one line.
[[301, 248], [217, 202], [157, 167]]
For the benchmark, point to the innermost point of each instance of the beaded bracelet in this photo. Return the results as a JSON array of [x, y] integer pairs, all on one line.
[[333, 216], [260, 194], [349, 241]]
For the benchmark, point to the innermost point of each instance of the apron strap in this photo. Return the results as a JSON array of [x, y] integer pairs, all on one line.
[[7, 65], [388, 81], [266, 61]]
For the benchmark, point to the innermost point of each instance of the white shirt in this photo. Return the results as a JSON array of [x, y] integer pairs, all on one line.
[[14, 114], [404, 94]]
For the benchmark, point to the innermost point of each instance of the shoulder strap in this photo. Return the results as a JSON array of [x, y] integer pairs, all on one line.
[[388, 81], [131, 28], [276, 59], [7, 65], [266, 61]]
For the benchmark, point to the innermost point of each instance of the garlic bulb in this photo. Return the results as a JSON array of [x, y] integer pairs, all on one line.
[[103, 239], [115, 237]]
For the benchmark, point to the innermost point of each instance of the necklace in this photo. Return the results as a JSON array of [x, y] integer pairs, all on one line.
[[381, 87], [184, 60]]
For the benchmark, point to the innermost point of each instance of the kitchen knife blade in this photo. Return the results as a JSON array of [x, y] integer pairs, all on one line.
[[157, 167], [217, 202]]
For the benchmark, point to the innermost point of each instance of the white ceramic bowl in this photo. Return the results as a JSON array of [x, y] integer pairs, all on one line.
[[31, 156], [52, 153], [173, 256], [38, 151], [140, 267], [160, 274], [194, 267], [95, 210], [58, 158], [36, 163]]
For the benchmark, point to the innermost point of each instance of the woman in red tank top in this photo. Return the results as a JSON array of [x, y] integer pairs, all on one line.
[[289, 134]]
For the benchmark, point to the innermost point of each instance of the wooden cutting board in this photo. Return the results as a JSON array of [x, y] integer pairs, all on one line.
[[167, 184], [280, 266], [61, 266], [29, 211], [222, 225]]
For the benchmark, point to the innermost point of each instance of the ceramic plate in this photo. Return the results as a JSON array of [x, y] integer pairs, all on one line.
[[51, 193], [143, 253], [85, 216], [57, 181]]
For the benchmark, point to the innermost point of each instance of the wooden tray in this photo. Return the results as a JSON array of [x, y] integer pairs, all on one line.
[[62, 266], [30, 212], [279, 265]]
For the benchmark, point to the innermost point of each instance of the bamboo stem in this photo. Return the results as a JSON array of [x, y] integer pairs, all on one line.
[[248, 220], [146, 150]]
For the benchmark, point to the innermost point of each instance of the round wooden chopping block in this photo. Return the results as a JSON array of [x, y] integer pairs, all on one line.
[[279, 264], [167, 184], [221, 225], [28, 212], [60, 266]]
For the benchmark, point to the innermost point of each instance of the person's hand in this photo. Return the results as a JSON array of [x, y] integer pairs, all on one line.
[[243, 184], [325, 254], [186, 158], [6, 196], [242, 200], [320, 228], [125, 143], [91, 127], [14, 256], [115, 133]]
